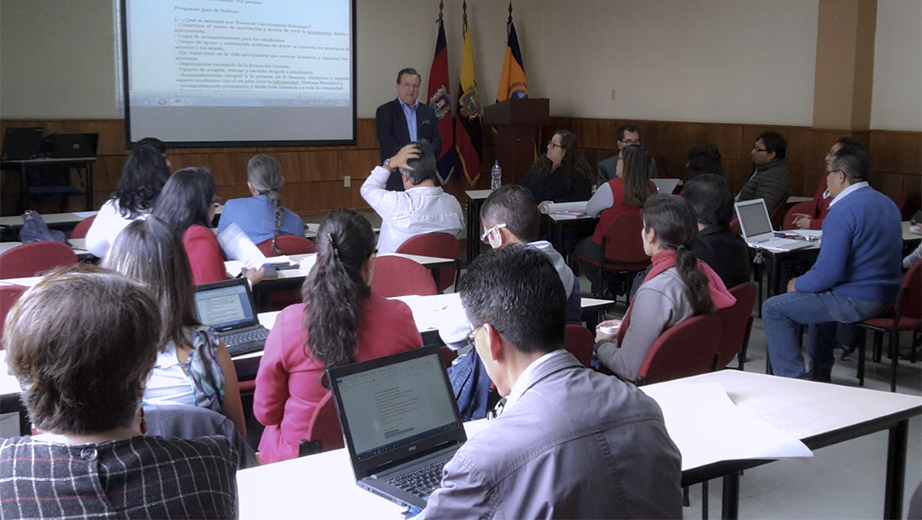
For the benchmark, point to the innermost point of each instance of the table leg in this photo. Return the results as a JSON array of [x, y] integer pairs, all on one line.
[[731, 496], [896, 470]]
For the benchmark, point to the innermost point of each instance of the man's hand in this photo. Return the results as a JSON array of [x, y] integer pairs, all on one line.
[[791, 285], [610, 331], [406, 153], [802, 220], [254, 275]]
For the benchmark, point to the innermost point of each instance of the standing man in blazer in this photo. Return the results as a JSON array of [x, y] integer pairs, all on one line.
[[405, 120]]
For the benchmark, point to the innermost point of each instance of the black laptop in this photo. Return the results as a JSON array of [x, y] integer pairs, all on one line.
[[400, 421], [227, 307], [71, 146], [21, 143]]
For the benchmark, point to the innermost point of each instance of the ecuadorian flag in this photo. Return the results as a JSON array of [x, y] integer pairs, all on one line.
[[512, 82], [468, 137], [440, 101]]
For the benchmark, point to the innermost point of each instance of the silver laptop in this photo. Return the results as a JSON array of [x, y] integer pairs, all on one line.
[[665, 186], [227, 307], [400, 421], [757, 228]]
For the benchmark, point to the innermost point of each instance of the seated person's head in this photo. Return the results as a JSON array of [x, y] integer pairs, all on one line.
[[628, 134], [514, 208], [337, 286], [150, 252], [770, 146], [423, 167], [143, 177], [82, 343], [711, 200], [158, 145], [264, 176], [187, 199], [669, 225], [514, 300], [634, 170], [704, 158], [850, 165], [840, 143]]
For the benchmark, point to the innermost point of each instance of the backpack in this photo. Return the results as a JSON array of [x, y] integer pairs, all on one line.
[[34, 229]]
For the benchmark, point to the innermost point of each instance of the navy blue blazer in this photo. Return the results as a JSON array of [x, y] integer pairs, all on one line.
[[391, 127]]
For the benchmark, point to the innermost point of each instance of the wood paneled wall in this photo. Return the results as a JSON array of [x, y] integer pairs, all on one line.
[[314, 175]]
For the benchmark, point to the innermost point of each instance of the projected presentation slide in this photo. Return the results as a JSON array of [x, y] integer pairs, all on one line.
[[225, 71]]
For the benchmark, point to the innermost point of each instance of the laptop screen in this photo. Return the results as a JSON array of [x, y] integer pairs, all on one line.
[[225, 306], [753, 218], [396, 404]]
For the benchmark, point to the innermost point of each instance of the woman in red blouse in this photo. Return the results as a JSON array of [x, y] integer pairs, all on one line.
[[341, 322]]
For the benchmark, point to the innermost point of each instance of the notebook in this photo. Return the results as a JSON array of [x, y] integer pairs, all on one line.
[[665, 186], [400, 421], [71, 146], [22, 143], [227, 307], [757, 228]]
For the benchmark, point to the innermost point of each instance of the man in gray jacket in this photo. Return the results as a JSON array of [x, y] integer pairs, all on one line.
[[570, 442], [770, 180]]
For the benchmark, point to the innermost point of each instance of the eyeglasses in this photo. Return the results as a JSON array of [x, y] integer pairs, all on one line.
[[552, 144], [630, 141], [485, 237], [832, 171], [470, 336], [755, 149]]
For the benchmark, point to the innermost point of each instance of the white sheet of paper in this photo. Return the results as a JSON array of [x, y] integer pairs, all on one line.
[[434, 312], [238, 246], [808, 233], [85, 214], [563, 207], [707, 427]]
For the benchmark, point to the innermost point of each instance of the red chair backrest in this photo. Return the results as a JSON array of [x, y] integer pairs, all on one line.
[[805, 207], [441, 245], [324, 425], [777, 214], [735, 321], [287, 245], [735, 227], [34, 259], [398, 276], [911, 292], [8, 296], [579, 341], [82, 227], [623, 245], [686, 349]]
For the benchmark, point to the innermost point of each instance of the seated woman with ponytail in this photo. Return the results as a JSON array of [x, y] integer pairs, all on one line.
[[262, 216], [340, 322], [678, 287]]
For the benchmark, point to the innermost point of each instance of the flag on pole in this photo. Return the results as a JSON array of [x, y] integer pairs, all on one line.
[[467, 125], [440, 101], [512, 82]]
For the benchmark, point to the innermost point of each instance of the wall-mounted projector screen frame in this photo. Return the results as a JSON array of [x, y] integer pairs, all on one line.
[[228, 73]]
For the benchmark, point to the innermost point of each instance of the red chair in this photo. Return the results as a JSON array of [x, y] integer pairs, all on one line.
[[448, 355], [736, 324], [34, 259], [735, 227], [777, 214], [805, 207], [287, 245], [398, 276], [8, 296], [906, 316], [323, 430], [622, 250], [82, 227], [578, 340], [440, 245], [686, 349]]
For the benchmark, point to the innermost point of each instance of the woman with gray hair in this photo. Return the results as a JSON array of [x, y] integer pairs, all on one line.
[[262, 216]]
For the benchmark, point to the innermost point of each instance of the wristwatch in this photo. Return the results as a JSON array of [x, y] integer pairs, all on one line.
[[387, 164]]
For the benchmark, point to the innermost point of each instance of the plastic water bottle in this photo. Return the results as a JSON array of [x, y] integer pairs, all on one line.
[[496, 179]]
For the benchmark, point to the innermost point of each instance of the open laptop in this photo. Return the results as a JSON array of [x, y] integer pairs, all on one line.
[[71, 146], [400, 421], [21, 143], [757, 228], [227, 307], [665, 186]]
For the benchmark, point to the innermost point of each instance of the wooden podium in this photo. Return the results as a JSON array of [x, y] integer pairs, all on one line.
[[519, 123]]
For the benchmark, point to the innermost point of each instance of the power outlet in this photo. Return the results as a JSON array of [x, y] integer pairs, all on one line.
[[612, 94], [347, 181]]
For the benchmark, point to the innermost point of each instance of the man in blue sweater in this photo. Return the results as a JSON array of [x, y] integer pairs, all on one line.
[[856, 276]]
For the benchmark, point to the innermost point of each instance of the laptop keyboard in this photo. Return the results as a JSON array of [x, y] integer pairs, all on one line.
[[423, 481], [245, 342]]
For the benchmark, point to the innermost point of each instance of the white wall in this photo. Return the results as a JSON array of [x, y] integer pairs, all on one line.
[[896, 103]]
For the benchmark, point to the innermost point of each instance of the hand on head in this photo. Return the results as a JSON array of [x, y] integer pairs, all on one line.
[[406, 153]]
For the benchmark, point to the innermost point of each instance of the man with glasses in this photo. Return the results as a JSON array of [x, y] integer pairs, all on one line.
[[770, 180], [627, 135], [405, 120], [856, 276], [570, 442], [422, 207]]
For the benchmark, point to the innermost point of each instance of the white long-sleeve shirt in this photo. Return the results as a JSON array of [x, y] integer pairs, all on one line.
[[405, 214]]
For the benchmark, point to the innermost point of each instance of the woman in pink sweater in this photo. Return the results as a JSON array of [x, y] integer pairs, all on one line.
[[341, 322]]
